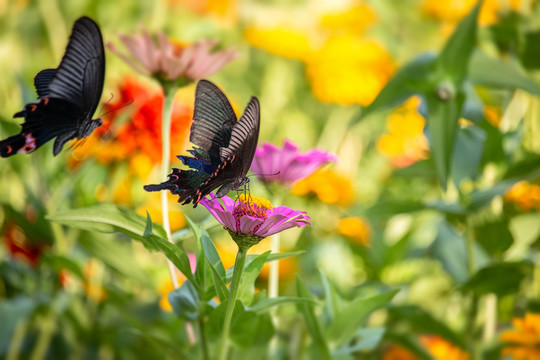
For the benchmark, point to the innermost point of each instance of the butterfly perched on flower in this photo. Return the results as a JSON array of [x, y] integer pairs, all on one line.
[[67, 96], [223, 151]]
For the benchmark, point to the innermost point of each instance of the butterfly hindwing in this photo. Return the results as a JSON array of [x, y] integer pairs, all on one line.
[[68, 96]]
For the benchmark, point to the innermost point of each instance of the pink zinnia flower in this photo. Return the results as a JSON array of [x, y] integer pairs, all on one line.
[[168, 59], [253, 217], [291, 164]]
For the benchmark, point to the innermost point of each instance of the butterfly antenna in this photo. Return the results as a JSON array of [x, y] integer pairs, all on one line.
[[116, 108], [274, 174]]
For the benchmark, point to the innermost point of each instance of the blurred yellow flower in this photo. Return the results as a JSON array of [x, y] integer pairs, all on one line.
[[283, 41], [437, 347], [92, 280], [441, 349], [153, 206], [227, 252], [405, 143], [329, 186], [492, 115], [453, 11], [349, 70], [355, 228], [525, 195], [524, 340], [354, 20]]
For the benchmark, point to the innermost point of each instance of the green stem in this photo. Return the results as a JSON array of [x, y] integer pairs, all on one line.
[[473, 309], [273, 277], [204, 345], [165, 164], [237, 275]]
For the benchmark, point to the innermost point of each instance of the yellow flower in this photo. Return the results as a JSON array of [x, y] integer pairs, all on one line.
[[453, 11], [525, 195], [93, 274], [283, 41], [441, 349], [524, 340], [153, 206], [492, 115], [355, 228], [329, 186], [437, 347], [405, 143], [349, 70], [354, 20]]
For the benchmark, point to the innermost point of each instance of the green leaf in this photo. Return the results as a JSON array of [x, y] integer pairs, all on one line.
[[353, 316], [408, 81], [271, 257], [483, 67], [267, 304], [454, 58], [494, 237], [218, 271], [501, 279], [425, 323], [106, 218], [312, 324], [443, 125], [173, 253], [332, 301], [149, 225], [481, 198], [115, 254], [13, 312], [467, 153], [390, 208], [250, 328], [59, 262], [184, 301], [250, 274], [211, 253], [530, 56], [369, 340]]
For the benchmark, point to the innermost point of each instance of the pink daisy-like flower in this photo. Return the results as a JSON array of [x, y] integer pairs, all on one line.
[[251, 219], [169, 60], [287, 165]]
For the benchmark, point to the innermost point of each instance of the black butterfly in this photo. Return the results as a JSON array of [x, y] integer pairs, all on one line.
[[67, 96], [224, 148]]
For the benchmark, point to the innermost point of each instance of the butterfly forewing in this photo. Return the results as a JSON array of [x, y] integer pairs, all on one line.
[[213, 120], [244, 137], [80, 75]]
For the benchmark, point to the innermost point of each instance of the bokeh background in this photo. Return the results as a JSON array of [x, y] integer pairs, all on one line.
[[314, 65]]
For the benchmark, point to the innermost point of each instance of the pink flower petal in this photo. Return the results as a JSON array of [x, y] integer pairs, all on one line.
[[248, 223]]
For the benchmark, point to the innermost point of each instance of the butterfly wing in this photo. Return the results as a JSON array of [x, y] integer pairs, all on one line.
[[69, 95], [80, 75], [37, 128], [213, 120]]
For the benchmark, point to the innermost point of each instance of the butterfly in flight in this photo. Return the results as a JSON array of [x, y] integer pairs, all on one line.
[[67, 96], [223, 151]]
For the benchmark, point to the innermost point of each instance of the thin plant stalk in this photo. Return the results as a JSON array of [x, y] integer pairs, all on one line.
[[237, 275], [165, 164], [473, 309], [273, 277]]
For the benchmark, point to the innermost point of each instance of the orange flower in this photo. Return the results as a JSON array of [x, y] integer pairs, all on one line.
[[140, 138], [525, 195], [524, 340], [355, 228], [397, 352], [405, 143], [329, 186]]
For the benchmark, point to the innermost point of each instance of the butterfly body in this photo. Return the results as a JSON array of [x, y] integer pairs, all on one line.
[[224, 148], [67, 96]]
